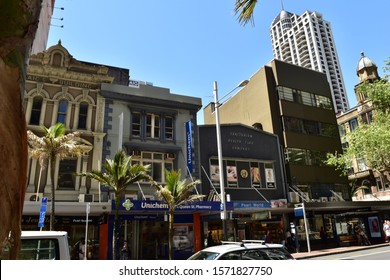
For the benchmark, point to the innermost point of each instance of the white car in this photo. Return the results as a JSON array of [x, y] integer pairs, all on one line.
[[244, 250], [42, 245]]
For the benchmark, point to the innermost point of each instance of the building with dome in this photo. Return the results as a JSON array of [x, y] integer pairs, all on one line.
[[307, 41], [348, 121]]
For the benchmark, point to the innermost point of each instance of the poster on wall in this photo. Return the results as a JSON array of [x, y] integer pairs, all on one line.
[[269, 178], [255, 176], [373, 223], [214, 173], [231, 172]]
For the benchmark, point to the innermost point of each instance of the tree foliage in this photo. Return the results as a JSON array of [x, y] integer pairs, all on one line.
[[370, 141], [117, 175], [175, 193], [55, 143]]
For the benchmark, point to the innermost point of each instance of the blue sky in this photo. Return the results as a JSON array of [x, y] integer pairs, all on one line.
[[186, 45]]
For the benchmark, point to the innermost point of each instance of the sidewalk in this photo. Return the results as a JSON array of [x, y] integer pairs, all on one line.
[[331, 251]]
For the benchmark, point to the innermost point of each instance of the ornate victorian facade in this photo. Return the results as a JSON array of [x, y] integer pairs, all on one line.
[[62, 89]]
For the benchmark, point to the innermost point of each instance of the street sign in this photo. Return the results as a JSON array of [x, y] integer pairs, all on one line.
[[42, 212], [298, 211]]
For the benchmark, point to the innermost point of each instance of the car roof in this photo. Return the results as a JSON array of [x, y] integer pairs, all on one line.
[[245, 244], [34, 233]]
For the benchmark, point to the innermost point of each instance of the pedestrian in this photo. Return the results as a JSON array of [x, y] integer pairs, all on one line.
[[324, 237], [386, 229], [267, 237], [81, 249], [210, 240], [125, 251]]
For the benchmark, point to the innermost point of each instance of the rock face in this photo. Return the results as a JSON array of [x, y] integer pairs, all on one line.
[[18, 24]]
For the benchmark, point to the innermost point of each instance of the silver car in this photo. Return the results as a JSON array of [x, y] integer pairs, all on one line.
[[244, 250]]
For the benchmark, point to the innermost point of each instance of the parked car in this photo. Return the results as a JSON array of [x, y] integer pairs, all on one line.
[[244, 250], [42, 245]]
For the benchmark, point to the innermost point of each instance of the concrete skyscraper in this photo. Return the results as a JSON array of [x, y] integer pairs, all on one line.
[[307, 41]]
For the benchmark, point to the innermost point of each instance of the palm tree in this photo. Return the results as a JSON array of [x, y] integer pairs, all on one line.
[[52, 145], [119, 173], [245, 10], [175, 193]]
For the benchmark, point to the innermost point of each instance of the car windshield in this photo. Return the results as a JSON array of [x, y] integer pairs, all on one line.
[[266, 254], [204, 255]]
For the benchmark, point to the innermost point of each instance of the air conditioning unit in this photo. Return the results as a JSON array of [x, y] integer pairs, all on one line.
[[33, 197], [86, 197], [149, 197], [136, 154], [323, 199], [170, 156], [293, 197], [132, 196]]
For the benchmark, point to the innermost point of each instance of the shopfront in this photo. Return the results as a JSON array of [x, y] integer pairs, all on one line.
[[145, 226]]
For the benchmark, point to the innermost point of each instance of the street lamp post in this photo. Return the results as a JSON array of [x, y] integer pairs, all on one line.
[[219, 148]]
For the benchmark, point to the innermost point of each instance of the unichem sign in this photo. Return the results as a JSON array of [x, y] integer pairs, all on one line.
[[156, 205]]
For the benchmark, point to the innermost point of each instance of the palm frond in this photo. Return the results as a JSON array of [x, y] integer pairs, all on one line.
[[245, 11]]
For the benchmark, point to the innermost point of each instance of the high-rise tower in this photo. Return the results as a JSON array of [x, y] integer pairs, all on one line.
[[307, 41]]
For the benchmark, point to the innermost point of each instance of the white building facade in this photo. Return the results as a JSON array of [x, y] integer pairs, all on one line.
[[307, 41]]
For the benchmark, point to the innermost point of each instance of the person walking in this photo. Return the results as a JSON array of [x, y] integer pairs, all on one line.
[[386, 229], [125, 251], [324, 237]]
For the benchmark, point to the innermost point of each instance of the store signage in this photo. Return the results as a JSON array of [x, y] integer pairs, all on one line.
[[42, 212], [251, 205], [189, 146], [156, 205]]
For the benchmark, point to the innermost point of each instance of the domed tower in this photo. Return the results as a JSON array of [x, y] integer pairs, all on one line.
[[366, 69]]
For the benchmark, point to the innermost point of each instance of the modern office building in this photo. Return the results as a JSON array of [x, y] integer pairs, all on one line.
[[307, 40], [295, 103]]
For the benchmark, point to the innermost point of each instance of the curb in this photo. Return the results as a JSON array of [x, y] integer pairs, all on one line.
[[337, 250]]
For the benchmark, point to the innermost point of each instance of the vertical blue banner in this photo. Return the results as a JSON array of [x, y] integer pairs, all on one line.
[[189, 146]]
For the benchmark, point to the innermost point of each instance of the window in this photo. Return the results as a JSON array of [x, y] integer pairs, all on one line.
[[36, 110], [66, 177], [158, 163], [311, 127], [62, 108], [292, 125], [168, 128], [353, 124], [296, 156], [361, 163], [152, 126], [136, 124], [83, 114]]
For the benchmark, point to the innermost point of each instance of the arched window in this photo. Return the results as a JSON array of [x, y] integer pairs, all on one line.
[[57, 60], [62, 108], [83, 114], [36, 110]]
